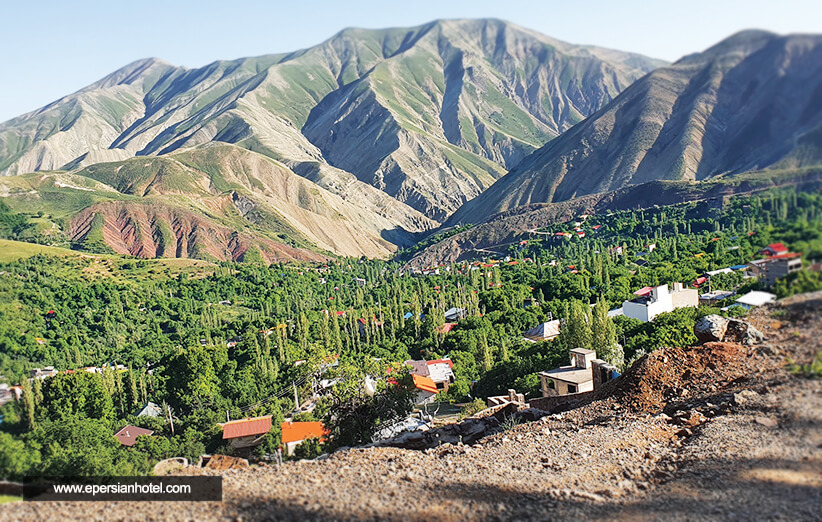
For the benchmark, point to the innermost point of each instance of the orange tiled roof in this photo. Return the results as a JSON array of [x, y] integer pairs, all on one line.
[[247, 427], [424, 383], [297, 431]]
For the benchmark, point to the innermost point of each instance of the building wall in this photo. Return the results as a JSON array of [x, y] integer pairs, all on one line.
[[685, 298], [561, 387]]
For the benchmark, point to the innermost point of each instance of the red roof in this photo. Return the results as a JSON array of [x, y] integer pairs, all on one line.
[[596, 227], [297, 431], [447, 327], [449, 362], [790, 255], [424, 383], [645, 290], [128, 435], [247, 427]]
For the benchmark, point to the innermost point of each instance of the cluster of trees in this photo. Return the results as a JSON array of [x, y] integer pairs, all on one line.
[[236, 340]]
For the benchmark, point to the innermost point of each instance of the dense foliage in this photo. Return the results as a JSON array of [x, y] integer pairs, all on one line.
[[237, 340]]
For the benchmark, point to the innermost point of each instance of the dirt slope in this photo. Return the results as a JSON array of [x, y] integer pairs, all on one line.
[[741, 439]]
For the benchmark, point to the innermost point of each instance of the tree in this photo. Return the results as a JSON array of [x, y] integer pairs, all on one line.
[[603, 333], [576, 332], [28, 403], [353, 415], [17, 459]]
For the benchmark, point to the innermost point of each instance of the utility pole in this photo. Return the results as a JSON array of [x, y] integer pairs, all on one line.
[[296, 397]]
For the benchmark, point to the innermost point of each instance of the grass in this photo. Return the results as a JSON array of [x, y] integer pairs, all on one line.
[[8, 498], [14, 250]]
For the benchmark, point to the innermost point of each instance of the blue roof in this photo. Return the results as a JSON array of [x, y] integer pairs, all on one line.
[[408, 315], [738, 267]]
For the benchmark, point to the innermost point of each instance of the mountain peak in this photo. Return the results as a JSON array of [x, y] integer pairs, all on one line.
[[134, 71]]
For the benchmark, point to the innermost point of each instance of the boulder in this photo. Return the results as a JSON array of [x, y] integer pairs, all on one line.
[[224, 462], [715, 328], [169, 466], [711, 328], [741, 332]]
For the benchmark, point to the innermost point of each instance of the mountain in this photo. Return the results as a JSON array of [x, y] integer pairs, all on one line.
[[497, 234], [192, 203], [751, 102], [430, 115]]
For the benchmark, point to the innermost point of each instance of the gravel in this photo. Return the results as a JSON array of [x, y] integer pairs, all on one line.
[[721, 431]]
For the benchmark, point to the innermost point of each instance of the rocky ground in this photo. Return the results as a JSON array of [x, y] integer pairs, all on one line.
[[720, 431]]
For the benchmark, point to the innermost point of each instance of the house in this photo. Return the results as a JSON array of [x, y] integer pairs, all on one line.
[[752, 300], [7, 394], [150, 410], [775, 267], [616, 312], [584, 374], [128, 435], [543, 332], [48, 371], [440, 372], [455, 314], [774, 249], [246, 433], [359, 281], [652, 301], [447, 327], [294, 433], [426, 389], [715, 297]]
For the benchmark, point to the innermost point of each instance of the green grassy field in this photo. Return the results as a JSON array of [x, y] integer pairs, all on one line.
[[14, 250], [8, 498]]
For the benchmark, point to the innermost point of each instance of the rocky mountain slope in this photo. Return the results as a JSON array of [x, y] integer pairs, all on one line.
[[718, 431], [509, 227], [197, 202], [430, 115], [751, 102]]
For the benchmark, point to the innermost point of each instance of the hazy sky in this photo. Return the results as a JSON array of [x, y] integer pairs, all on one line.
[[51, 48]]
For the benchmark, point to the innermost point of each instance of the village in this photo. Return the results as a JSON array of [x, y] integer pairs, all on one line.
[[431, 378]]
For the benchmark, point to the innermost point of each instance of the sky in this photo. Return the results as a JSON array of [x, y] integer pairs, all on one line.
[[49, 49]]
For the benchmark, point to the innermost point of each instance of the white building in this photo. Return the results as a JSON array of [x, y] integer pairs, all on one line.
[[651, 302], [585, 374]]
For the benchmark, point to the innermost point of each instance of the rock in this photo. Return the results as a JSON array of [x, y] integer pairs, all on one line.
[[739, 331], [224, 463], [711, 328], [169, 466], [768, 422], [745, 396]]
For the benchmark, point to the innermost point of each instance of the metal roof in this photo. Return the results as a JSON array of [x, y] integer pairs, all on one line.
[[247, 427]]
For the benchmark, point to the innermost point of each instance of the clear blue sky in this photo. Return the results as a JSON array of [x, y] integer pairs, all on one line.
[[51, 48]]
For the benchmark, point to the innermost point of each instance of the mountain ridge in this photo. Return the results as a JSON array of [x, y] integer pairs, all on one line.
[[711, 113]]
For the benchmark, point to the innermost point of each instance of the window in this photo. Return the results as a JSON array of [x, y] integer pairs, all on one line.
[[550, 384], [572, 388], [440, 385]]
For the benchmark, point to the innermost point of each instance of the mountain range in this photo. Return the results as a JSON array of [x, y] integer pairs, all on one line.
[[751, 102], [374, 138]]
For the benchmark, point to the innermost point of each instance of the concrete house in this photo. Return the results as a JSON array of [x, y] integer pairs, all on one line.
[[426, 389], [775, 267], [440, 372], [585, 374], [652, 301], [543, 332]]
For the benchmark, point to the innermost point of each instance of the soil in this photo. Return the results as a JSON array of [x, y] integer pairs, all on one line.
[[719, 431]]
